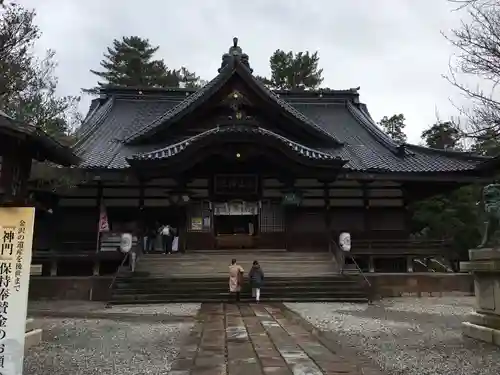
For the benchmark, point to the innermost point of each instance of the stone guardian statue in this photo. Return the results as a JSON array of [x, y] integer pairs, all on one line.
[[491, 211]]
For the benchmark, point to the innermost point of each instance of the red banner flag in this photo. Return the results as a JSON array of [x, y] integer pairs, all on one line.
[[103, 220]]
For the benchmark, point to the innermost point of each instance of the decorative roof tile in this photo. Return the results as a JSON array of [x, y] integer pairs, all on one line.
[[174, 149]]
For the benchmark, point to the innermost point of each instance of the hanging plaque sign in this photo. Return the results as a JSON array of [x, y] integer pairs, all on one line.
[[235, 184], [292, 199]]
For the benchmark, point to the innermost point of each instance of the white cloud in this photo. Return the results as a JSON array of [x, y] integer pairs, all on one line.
[[393, 49]]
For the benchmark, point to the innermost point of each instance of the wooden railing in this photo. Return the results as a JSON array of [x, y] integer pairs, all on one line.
[[400, 247]]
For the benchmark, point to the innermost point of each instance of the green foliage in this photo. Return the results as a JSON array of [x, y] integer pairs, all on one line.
[[442, 135], [487, 143], [394, 127], [130, 63], [454, 216], [291, 71], [28, 84]]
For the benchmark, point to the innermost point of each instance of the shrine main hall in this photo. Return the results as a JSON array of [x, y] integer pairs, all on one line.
[[236, 165]]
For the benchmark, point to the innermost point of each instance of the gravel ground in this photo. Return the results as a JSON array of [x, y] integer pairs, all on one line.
[[407, 336], [173, 309], [90, 347]]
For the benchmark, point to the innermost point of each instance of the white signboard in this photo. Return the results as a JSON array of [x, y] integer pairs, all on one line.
[[16, 239]]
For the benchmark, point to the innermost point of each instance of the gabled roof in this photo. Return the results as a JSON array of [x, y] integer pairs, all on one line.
[[365, 148], [114, 129], [194, 101], [47, 148]]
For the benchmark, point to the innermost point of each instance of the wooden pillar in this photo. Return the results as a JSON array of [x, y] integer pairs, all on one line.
[[409, 263], [142, 217], [326, 195], [406, 207], [98, 234], [15, 172], [53, 267], [371, 264], [366, 206], [367, 222]]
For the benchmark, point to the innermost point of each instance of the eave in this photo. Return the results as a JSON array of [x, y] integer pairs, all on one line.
[[244, 132], [45, 147]]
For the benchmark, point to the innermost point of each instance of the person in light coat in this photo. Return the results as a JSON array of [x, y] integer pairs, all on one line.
[[235, 279]]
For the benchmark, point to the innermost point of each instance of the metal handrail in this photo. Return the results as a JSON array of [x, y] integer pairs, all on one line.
[[354, 261], [118, 270], [127, 255]]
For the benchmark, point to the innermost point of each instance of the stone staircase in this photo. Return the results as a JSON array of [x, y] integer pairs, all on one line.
[[202, 276]]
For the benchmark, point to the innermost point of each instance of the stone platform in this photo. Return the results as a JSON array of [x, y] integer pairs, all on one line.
[[258, 339], [484, 324], [33, 334]]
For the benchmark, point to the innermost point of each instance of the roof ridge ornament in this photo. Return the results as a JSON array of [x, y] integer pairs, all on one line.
[[234, 54]]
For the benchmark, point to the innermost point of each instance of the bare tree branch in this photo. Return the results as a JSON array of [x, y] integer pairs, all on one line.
[[478, 56]]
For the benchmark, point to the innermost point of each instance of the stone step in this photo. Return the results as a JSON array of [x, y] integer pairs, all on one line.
[[189, 299], [193, 282], [227, 295], [143, 288]]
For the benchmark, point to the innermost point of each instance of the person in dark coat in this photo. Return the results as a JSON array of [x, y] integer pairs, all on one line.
[[256, 276]]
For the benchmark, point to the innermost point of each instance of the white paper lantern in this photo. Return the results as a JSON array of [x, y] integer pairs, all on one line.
[[345, 241], [126, 242]]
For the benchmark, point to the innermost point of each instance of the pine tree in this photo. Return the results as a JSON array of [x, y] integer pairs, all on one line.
[[442, 135], [130, 63], [291, 71], [394, 127]]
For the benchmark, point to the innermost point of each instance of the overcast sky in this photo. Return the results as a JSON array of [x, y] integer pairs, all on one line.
[[393, 49]]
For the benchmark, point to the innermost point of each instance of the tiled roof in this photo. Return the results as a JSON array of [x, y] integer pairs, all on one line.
[[47, 147], [177, 148], [360, 142], [203, 94]]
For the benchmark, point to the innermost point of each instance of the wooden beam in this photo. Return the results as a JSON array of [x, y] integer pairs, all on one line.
[[413, 176]]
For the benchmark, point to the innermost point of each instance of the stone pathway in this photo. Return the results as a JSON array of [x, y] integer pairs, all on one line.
[[258, 339]]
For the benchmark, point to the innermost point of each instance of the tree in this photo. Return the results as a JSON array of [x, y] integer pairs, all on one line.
[[291, 71], [442, 135], [394, 127], [130, 63], [28, 84], [454, 216], [478, 44]]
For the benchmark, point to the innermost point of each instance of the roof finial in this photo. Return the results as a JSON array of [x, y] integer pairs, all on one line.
[[235, 53]]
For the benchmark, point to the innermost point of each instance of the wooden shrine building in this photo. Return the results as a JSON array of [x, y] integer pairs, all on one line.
[[235, 165], [20, 144]]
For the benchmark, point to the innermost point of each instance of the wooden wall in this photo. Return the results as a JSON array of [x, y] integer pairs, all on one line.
[[369, 210]]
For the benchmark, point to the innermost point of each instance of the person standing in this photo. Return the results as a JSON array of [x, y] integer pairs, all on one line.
[[235, 279], [256, 276], [151, 233], [166, 238]]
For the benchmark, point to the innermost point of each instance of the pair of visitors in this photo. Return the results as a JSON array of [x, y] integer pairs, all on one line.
[[256, 276]]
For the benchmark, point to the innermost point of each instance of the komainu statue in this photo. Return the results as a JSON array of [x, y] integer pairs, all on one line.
[[491, 207]]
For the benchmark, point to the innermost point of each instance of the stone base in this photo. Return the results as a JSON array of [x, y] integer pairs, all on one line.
[[482, 333], [33, 335]]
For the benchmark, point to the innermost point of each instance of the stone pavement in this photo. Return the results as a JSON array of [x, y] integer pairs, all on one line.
[[258, 339]]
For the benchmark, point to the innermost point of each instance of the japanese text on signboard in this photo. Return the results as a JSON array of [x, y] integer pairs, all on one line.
[[12, 240]]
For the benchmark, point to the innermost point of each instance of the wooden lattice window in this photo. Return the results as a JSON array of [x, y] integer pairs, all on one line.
[[272, 218]]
